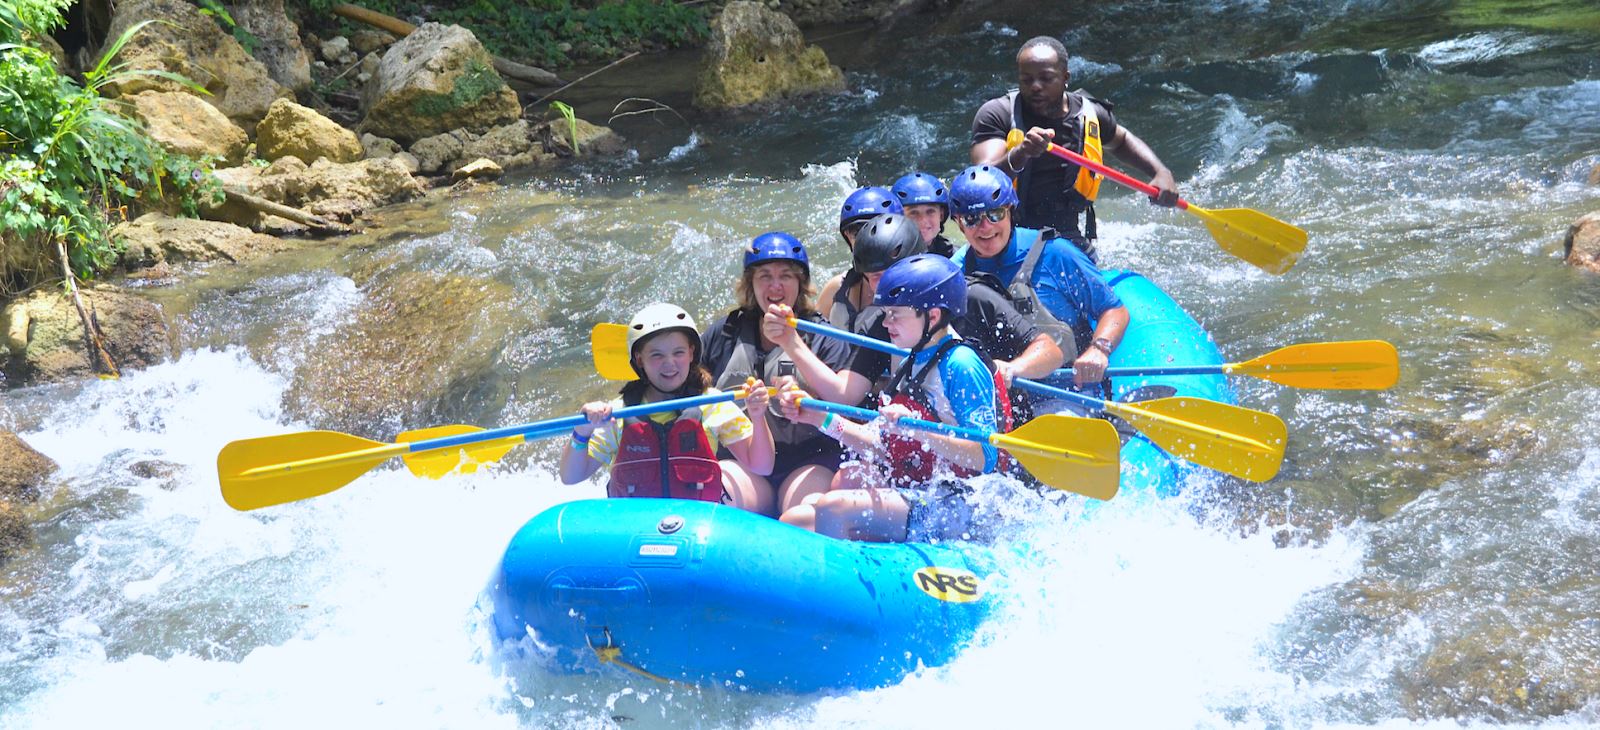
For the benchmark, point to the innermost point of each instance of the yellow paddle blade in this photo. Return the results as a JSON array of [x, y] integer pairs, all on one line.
[[1352, 365], [1261, 240], [464, 459], [262, 472], [1230, 439], [1081, 455], [610, 345]]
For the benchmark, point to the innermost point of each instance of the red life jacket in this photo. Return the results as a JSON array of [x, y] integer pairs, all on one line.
[[666, 460], [911, 462]]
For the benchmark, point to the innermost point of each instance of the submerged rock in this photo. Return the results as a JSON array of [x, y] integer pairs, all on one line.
[[416, 344], [1507, 670], [756, 55]]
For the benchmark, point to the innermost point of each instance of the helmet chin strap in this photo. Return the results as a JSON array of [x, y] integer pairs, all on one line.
[[927, 332]]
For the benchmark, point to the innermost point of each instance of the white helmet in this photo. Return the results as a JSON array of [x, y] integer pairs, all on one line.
[[660, 317]]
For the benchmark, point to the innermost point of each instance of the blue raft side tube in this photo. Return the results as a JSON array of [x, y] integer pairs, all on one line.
[[1160, 333], [706, 594]]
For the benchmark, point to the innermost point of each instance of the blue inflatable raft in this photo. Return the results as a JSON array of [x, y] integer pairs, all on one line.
[[708, 595]]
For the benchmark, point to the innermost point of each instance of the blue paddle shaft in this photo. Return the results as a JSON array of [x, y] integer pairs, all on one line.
[[867, 414], [541, 429], [1160, 370], [881, 346]]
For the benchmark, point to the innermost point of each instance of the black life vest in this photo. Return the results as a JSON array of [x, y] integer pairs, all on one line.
[[1021, 293], [1085, 187]]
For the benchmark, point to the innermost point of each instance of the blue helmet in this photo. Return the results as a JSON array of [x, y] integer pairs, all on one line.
[[925, 281], [920, 188], [980, 188], [776, 246], [867, 202]]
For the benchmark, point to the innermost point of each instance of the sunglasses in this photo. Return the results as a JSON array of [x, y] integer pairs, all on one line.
[[993, 216]]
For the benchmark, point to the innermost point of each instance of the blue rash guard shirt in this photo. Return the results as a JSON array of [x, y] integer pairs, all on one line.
[[1067, 283], [960, 392]]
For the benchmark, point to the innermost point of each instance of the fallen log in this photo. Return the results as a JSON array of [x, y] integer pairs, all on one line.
[[262, 205], [401, 28]]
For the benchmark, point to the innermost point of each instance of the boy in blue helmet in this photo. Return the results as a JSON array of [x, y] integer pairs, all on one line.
[[776, 271], [909, 488], [1050, 280], [927, 202]]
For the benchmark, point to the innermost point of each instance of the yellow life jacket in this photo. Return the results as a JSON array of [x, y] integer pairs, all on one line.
[[1088, 182]]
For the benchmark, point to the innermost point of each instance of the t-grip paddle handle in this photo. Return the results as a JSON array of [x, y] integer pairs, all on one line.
[[1016, 136]]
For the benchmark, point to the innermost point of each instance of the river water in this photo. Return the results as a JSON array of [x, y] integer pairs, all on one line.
[[1429, 555]]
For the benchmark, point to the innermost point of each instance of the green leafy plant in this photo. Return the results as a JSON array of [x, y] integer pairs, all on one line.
[[566, 112], [69, 163], [225, 19]]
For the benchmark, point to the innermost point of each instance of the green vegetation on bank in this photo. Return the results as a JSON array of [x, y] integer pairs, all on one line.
[[552, 33], [70, 163]]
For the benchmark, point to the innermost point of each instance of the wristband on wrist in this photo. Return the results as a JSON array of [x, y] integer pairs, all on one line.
[[1013, 163], [579, 443], [1102, 344]]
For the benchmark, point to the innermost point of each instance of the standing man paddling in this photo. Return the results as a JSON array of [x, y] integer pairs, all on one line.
[[1053, 192]]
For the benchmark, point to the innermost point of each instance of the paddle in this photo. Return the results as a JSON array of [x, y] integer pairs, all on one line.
[[1265, 242], [1228, 438], [1080, 455], [1069, 453], [262, 472], [1350, 365], [609, 343]]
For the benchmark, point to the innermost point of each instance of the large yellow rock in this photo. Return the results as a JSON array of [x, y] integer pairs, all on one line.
[[186, 124], [291, 130]]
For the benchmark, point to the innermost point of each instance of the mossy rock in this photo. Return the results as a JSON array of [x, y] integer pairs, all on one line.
[[758, 55]]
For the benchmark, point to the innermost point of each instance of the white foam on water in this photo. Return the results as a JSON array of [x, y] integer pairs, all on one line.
[[1479, 47], [356, 608], [683, 150], [1104, 612]]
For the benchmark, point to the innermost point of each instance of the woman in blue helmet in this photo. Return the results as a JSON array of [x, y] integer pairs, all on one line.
[[846, 295], [776, 271], [910, 486], [1049, 279], [927, 202]]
